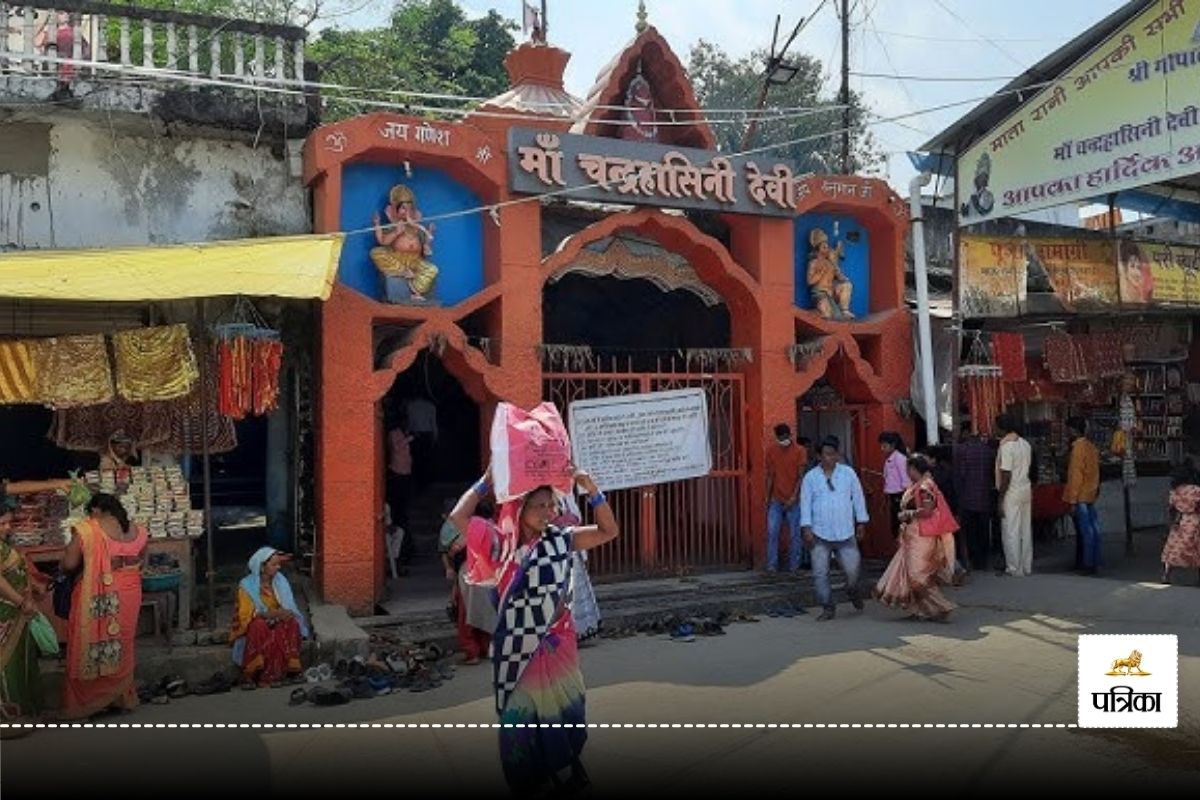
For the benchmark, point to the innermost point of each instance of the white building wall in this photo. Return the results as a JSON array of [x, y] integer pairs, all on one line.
[[91, 184]]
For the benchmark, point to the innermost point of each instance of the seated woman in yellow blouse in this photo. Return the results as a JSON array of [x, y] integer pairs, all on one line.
[[268, 625]]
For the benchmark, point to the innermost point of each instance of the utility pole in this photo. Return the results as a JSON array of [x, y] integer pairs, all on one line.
[[545, 25], [846, 87]]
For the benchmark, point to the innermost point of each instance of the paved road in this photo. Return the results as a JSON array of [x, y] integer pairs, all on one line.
[[1008, 657]]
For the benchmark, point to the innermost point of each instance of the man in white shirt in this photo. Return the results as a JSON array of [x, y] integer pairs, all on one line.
[[1016, 497]]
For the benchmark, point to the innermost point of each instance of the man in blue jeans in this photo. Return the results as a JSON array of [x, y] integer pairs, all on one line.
[[1081, 492], [833, 518], [785, 466]]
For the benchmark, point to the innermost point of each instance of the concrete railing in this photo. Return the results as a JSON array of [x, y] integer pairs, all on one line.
[[77, 38]]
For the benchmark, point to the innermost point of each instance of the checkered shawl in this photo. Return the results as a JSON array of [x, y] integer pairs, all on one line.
[[535, 598]]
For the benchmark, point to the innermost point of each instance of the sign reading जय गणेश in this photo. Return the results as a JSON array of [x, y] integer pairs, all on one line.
[[1126, 115], [641, 439], [645, 173]]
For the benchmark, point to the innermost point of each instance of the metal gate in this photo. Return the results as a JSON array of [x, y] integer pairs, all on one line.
[[684, 526]]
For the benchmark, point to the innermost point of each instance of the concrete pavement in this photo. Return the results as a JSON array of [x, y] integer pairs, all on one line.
[[1008, 657]]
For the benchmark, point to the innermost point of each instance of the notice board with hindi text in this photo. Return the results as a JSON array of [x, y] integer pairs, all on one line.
[[642, 439]]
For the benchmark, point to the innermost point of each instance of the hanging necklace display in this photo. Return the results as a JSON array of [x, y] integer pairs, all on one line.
[[249, 356], [984, 387]]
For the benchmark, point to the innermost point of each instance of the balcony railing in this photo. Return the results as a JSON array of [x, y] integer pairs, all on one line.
[[77, 39]]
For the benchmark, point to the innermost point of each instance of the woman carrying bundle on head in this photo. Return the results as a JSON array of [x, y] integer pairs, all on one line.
[[535, 658]]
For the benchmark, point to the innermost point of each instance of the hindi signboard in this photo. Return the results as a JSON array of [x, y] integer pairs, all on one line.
[[1126, 115], [642, 439], [1006, 276], [1156, 274], [642, 173]]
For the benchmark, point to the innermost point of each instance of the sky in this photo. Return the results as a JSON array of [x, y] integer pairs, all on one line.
[[919, 38]]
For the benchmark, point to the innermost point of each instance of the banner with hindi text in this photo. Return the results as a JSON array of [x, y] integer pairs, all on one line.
[[1124, 116], [1007, 276], [1153, 274]]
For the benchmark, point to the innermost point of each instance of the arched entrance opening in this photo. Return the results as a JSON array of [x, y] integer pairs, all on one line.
[[841, 403], [626, 315], [428, 406], [633, 317]]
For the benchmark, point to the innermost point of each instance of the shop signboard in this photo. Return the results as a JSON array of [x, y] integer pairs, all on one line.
[[1124, 116], [1007, 276], [1159, 275]]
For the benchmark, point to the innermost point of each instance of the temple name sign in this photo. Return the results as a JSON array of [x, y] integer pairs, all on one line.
[[643, 173], [642, 439]]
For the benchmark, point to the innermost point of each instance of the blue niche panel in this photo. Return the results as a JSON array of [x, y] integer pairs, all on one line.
[[456, 246], [846, 233]]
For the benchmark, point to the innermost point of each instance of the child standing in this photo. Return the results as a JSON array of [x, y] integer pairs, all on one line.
[[471, 606]]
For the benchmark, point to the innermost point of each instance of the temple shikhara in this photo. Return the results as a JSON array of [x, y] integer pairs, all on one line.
[[617, 252]]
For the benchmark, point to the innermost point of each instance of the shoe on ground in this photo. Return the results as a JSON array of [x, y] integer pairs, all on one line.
[[827, 615], [684, 633], [857, 602]]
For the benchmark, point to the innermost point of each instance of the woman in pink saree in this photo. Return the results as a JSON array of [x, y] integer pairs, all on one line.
[[924, 558], [104, 610]]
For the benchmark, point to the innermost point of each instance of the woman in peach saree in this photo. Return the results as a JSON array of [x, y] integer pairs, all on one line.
[[104, 610], [924, 558]]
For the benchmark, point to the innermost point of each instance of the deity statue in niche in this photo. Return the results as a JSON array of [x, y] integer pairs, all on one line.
[[641, 113], [404, 246], [828, 286]]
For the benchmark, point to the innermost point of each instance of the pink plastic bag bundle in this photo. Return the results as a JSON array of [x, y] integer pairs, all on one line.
[[529, 449]]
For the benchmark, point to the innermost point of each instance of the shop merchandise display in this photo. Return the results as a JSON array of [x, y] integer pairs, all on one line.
[[41, 520], [89, 428], [1008, 352], [191, 415], [18, 376], [156, 498], [248, 375], [154, 363], [73, 371]]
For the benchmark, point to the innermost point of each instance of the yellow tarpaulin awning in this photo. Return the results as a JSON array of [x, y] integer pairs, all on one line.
[[302, 267]]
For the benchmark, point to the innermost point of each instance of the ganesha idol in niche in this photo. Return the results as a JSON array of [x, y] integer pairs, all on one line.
[[404, 247]]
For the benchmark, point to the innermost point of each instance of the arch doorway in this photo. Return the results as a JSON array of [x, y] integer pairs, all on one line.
[[442, 423], [629, 317]]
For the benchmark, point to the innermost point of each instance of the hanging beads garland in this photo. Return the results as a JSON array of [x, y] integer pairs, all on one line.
[[249, 358]]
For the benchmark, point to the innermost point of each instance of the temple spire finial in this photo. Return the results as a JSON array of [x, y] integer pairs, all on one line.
[[641, 17]]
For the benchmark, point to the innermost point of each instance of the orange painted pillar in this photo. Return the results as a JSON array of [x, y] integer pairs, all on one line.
[[521, 308], [350, 497], [764, 247]]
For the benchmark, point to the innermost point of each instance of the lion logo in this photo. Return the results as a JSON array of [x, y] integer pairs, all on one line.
[[1128, 666]]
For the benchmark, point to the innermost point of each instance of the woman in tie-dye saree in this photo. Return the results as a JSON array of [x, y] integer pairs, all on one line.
[[535, 657]]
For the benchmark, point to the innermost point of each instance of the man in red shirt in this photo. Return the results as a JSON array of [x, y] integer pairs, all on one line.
[[785, 462]]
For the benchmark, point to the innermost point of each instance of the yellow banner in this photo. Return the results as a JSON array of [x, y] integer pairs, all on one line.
[[280, 266], [1159, 274], [1124, 116], [1003, 276]]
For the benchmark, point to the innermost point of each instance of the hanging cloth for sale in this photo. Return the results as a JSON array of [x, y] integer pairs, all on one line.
[[89, 429], [73, 371], [1062, 359], [155, 363], [188, 421], [18, 373], [1008, 353]]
